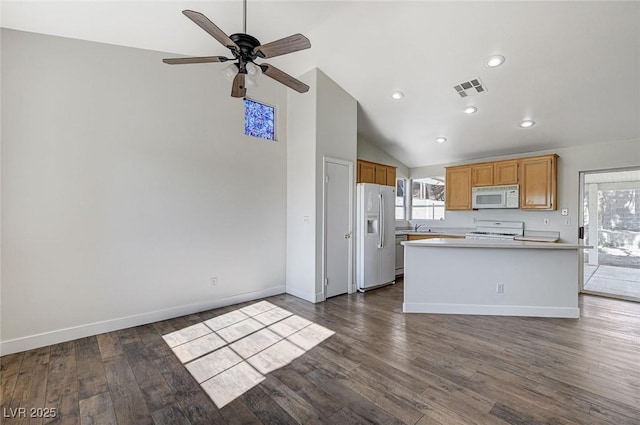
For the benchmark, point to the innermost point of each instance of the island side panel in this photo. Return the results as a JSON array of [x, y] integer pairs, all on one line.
[[537, 282]]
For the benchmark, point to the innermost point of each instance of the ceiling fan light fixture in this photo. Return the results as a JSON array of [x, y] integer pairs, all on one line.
[[470, 110], [397, 95], [441, 139], [526, 123], [494, 61], [230, 71]]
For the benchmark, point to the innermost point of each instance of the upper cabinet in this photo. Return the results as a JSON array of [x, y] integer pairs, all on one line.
[[372, 172], [482, 174], [494, 173], [535, 175], [458, 188], [538, 182], [505, 172]]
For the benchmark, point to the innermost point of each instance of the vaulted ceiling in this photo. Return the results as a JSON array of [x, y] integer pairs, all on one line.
[[573, 67]]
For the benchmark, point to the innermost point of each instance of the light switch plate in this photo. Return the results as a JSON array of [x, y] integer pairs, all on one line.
[[565, 211]]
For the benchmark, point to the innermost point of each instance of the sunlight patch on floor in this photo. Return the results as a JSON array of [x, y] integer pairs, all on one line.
[[230, 354]]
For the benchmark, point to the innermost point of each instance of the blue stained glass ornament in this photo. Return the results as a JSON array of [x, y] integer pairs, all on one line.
[[259, 120]]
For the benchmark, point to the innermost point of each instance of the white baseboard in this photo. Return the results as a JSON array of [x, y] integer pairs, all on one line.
[[305, 295], [492, 310], [68, 334]]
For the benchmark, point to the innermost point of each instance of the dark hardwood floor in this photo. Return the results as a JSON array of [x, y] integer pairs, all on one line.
[[381, 366]]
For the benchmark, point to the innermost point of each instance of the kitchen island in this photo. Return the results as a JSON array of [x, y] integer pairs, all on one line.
[[491, 277]]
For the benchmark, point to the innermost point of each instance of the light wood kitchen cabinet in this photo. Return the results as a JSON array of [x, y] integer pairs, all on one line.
[[391, 176], [366, 172], [482, 174], [372, 172], [494, 173], [505, 172], [538, 182], [458, 188]]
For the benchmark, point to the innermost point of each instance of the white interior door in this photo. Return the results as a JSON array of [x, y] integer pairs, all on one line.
[[338, 220]]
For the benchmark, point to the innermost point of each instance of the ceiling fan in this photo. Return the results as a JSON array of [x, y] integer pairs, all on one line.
[[245, 49]]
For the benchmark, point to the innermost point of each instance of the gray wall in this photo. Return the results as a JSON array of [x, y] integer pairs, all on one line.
[[321, 124], [126, 185], [370, 152]]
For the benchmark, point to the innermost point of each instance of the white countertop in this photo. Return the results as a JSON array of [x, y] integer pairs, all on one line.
[[491, 243], [455, 231]]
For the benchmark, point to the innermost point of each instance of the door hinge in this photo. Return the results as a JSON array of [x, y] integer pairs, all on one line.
[[326, 282], [581, 232], [326, 179]]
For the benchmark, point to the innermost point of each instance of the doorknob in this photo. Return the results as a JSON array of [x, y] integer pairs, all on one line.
[[347, 235]]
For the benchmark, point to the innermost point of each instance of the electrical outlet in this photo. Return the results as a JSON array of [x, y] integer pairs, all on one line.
[[500, 288], [213, 281], [545, 221], [565, 211]]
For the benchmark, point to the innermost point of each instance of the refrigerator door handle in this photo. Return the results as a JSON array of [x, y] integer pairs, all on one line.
[[381, 227]]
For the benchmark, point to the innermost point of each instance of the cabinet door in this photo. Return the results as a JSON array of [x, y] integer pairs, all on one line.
[[505, 172], [366, 172], [538, 183], [391, 176], [458, 188], [482, 175], [381, 174]]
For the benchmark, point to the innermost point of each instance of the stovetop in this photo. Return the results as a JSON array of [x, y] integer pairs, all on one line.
[[487, 229]]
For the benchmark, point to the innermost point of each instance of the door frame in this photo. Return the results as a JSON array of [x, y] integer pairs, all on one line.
[[581, 281], [350, 279]]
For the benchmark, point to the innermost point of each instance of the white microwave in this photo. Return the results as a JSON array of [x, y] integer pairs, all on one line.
[[495, 197]]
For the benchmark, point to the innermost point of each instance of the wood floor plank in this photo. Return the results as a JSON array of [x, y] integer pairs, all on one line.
[[126, 396], [238, 413], [62, 385], [91, 377], [200, 410], [292, 403], [170, 415], [155, 390], [109, 345], [265, 409], [97, 410]]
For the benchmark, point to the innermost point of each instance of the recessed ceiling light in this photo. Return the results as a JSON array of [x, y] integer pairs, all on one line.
[[526, 123], [441, 139], [397, 95], [494, 61], [470, 110]]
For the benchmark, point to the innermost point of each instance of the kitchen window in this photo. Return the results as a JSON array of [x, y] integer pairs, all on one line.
[[427, 199], [401, 199]]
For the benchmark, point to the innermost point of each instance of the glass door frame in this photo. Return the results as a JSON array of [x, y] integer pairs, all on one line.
[[581, 241]]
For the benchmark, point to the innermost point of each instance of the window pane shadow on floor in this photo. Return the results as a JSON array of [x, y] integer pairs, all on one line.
[[231, 353]]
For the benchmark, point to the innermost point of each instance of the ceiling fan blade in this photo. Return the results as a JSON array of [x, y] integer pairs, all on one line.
[[204, 23], [203, 59], [238, 89], [284, 78], [290, 44]]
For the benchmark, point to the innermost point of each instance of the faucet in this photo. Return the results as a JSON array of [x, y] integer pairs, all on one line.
[[418, 226]]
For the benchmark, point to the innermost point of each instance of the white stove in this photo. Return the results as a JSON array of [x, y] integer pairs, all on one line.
[[488, 229]]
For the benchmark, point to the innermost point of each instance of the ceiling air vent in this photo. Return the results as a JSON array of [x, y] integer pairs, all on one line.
[[470, 88]]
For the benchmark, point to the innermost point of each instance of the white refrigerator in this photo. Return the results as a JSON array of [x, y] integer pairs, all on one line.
[[375, 235]]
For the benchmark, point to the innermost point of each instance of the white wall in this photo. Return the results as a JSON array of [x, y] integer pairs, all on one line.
[[126, 185], [321, 123], [370, 152], [572, 161], [301, 197]]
